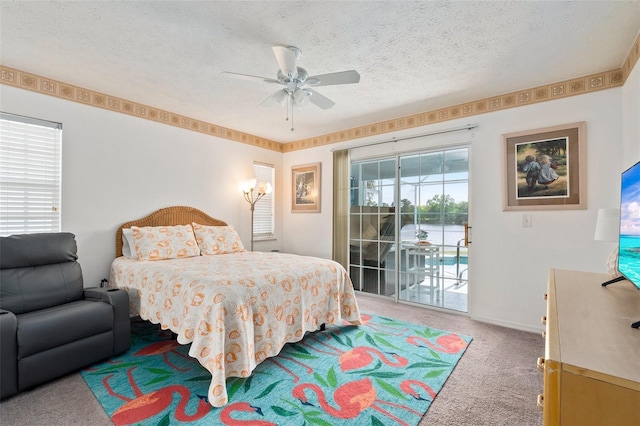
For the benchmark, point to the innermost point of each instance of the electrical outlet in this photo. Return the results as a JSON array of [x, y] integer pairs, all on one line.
[[527, 221]]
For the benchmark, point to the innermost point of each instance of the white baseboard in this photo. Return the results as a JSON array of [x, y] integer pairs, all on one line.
[[509, 324]]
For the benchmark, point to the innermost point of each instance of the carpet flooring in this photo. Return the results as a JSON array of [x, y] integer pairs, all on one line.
[[495, 383]]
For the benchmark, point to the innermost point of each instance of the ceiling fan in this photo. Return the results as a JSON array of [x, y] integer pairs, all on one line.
[[297, 82]]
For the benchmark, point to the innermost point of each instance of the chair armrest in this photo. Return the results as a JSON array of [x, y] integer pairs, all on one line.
[[8, 354], [107, 295], [119, 300]]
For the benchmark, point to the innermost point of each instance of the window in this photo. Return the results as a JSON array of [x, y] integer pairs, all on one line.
[[30, 170], [263, 219]]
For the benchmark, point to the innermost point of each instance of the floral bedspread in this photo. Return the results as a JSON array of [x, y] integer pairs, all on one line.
[[237, 309]]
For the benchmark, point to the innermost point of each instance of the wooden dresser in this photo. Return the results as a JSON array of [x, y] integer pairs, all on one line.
[[592, 355]]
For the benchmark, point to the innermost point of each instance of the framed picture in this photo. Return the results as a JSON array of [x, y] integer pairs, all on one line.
[[305, 191], [544, 169]]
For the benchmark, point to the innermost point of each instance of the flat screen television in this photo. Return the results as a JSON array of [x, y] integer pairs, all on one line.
[[629, 236], [629, 240]]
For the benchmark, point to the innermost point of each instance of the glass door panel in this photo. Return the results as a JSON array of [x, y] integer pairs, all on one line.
[[434, 194], [372, 226]]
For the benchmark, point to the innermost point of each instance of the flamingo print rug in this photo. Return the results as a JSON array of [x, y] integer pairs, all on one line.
[[382, 372]]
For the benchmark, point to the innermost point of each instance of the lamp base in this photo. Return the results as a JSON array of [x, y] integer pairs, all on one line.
[[612, 263]]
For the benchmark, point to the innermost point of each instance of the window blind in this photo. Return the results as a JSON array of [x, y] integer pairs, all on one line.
[[30, 175], [263, 219]]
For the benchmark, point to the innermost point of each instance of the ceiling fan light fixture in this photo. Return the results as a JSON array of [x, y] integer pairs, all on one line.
[[300, 96], [281, 97]]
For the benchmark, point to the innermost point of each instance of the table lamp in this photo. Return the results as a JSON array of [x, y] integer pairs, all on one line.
[[607, 229]]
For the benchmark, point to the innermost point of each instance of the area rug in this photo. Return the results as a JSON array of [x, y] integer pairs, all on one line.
[[383, 372]]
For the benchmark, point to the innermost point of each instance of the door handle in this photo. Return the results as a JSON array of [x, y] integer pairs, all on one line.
[[467, 241]]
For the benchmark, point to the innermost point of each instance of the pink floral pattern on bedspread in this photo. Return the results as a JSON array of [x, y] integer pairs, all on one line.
[[237, 309]]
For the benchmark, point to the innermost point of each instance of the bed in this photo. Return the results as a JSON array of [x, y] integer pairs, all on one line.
[[235, 308]]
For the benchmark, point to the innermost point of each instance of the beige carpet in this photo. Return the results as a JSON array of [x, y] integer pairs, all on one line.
[[495, 383]]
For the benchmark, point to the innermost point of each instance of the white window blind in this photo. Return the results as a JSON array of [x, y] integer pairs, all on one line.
[[263, 218], [30, 172]]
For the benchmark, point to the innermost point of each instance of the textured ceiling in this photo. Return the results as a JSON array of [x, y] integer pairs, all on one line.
[[412, 56]]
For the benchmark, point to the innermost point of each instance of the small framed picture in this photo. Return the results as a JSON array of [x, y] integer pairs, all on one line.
[[305, 191], [545, 169]]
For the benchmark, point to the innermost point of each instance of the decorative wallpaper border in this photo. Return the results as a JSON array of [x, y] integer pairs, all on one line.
[[578, 86], [563, 89], [47, 86]]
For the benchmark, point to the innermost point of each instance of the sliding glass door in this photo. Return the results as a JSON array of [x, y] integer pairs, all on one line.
[[416, 252], [372, 226]]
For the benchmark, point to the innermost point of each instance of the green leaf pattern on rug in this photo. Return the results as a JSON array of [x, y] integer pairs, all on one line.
[[331, 378], [282, 412], [233, 385], [391, 389], [386, 343], [268, 390]]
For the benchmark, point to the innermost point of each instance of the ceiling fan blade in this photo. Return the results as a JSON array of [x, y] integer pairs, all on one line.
[[286, 58], [250, 77], [279, 97], [343, 77], [319, 100]]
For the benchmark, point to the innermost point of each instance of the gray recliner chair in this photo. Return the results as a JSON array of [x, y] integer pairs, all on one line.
[[49, 324]]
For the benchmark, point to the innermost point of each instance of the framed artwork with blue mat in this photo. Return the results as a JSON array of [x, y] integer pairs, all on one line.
[[382, 372]]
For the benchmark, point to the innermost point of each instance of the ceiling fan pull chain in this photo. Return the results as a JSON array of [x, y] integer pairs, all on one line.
[[291, 113], [287, 118]]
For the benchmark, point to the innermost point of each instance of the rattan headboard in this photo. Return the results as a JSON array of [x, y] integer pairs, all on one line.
[[169, 216]]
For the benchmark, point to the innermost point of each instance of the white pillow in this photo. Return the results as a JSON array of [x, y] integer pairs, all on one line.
[[128, 246], [217, 239], [164, 242]]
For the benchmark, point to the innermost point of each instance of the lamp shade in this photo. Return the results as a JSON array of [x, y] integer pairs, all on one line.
[[248, 185], [607, 225], [265, 188]]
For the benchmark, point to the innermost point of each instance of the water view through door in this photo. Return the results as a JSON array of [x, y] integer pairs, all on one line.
[[424, 237]]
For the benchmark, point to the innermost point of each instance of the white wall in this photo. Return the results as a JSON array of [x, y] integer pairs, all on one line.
[[309, 233], [631, 118], [118, 168], [509, 264]]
